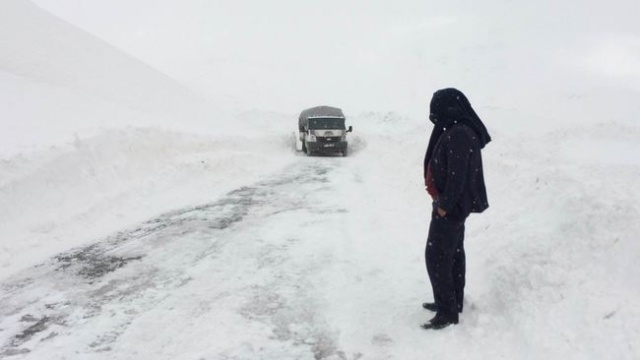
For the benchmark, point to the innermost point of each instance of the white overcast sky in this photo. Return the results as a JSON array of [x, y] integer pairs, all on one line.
[[374, 55]]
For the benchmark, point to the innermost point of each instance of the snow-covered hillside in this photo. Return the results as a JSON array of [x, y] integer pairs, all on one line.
[[139, 221], [56, 79]]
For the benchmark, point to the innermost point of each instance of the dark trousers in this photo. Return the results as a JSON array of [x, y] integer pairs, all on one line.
[[445, 259]]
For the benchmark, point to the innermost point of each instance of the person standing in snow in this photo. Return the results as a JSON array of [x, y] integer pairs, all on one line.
[[454, 179]]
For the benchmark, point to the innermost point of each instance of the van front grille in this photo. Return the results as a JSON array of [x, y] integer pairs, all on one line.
[[328, 139]]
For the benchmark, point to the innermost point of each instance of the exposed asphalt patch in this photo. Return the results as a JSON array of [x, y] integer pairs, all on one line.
[[38, 326], [92, 262]]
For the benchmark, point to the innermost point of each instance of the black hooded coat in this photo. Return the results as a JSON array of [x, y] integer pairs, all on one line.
[[454, 152]]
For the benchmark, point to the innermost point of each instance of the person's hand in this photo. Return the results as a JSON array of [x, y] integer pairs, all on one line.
[[441, 212]]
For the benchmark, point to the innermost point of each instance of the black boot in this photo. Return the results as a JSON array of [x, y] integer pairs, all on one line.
[[430, 306], [440, 321]]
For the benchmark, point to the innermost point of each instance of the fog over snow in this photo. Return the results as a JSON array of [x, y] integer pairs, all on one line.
[[153, 204]]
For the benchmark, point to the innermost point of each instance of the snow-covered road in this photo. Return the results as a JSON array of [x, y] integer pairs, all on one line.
[[251, 263]]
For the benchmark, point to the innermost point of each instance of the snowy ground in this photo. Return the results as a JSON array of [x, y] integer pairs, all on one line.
[[169, 228], [323, 257]]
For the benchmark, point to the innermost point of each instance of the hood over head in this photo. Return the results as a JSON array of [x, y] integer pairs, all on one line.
[[448, 107]]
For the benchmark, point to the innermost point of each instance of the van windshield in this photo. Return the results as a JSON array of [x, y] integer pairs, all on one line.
[[326, 123]]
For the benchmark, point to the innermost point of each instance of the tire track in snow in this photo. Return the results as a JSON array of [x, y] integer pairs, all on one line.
[[84, 300]]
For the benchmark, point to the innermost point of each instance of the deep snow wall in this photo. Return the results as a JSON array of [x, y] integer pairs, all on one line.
[[552, 265]]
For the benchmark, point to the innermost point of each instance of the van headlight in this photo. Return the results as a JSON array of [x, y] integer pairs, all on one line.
[[312, 138]]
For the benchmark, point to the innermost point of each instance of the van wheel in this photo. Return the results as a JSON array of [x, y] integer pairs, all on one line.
[[309, 153], [345, 152]]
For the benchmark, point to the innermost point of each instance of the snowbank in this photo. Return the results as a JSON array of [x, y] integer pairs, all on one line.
[[65, 197], [551, 265]]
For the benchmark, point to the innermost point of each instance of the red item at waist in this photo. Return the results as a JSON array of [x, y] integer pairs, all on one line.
[[431, 184]]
